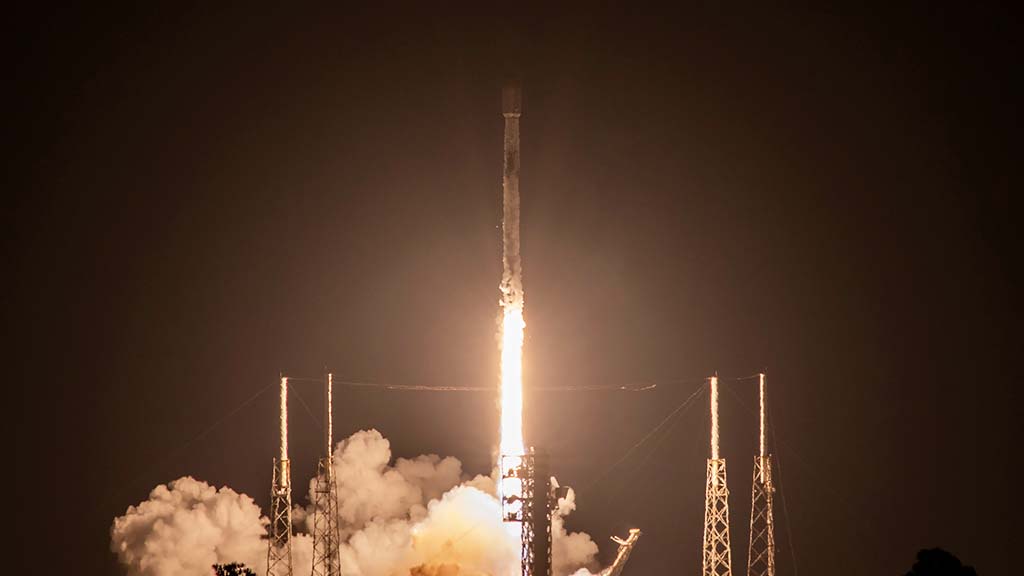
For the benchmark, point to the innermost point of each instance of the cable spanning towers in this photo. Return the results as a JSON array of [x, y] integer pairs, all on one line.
[[279, 551], [326, 561], [717, 554], [761, 550]]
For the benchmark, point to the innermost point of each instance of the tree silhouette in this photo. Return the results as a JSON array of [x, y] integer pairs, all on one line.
[[938, 562], [233, 569]]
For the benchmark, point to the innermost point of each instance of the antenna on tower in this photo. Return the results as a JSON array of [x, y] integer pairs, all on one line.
[[717, 553], [326, 559], [279, 551], [761, 550]]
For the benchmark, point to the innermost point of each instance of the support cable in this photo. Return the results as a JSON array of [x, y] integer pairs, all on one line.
[[646, 437], [167, 455], [785, 510], [302, 401]]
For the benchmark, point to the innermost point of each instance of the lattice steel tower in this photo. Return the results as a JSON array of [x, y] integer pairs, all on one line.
[[717, 555], [532, 508], [761, 551], [326, 561], [279, 551]]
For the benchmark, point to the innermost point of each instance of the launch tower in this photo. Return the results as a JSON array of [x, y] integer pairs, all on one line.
[[532, 508], [717, 554]]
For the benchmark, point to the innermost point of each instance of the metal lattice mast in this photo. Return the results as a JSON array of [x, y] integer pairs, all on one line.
[[717, 554], [761, 551], [531, 508], [326, 561], [279, 551]]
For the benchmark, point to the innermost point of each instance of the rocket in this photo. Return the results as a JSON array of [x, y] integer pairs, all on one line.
[[512, 277]]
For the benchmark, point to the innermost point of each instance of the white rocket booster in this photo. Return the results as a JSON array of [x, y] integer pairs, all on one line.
[[512, 274]]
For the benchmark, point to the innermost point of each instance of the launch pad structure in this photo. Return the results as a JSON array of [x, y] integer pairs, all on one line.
[[531, 508], [622, 556], [279, 546]]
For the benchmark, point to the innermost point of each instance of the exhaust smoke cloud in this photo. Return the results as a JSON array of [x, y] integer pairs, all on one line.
[[418, 517]]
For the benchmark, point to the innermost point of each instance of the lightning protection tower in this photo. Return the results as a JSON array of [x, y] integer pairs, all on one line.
[[279, 552], [326, 561], [761, 551], [717, 554]]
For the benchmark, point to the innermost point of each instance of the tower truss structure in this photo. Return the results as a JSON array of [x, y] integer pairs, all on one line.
[[279, 547], [326, 561], [717, 551], [531, 507], [761, 549]]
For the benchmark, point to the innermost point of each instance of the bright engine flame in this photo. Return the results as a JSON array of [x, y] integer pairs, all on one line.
[[512, 380]]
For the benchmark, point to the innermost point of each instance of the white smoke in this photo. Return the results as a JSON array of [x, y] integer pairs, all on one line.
[[187, 526], [415, 517], [570, 550]]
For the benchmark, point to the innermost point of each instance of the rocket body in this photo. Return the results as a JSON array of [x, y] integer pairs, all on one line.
[[512, 274]]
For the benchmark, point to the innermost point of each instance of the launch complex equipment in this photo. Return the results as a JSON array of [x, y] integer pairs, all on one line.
[[625, 548], [279, 549], [531, 508]]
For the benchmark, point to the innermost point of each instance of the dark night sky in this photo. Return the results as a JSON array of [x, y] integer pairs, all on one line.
[[215, 197]]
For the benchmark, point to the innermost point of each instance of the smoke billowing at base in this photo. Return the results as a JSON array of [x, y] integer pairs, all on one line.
[[418, 516]]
